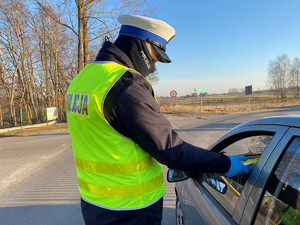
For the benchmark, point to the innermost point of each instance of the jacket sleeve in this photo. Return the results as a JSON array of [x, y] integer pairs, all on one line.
[[136, 115]]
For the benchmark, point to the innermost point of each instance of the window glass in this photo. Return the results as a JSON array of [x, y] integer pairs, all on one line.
[[252, 147], [281, 201]]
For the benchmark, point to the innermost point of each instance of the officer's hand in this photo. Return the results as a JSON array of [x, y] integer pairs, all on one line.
[[237, 167]]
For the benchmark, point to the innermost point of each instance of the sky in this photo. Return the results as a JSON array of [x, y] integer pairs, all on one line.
[[222, 44]]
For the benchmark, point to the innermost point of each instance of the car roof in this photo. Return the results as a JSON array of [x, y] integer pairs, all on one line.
[[287, 121], [290, 121]]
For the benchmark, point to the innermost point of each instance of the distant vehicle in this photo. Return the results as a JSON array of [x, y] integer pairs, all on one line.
[[269, 194]]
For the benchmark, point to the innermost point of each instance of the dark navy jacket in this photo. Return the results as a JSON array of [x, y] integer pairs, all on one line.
[[130, 107]]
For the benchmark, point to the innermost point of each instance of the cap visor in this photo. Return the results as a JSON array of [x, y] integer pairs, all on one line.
[[163, 55]]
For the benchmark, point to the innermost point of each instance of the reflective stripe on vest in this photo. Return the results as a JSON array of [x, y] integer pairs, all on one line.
[[123, 191], [116, 168], [113, 171]]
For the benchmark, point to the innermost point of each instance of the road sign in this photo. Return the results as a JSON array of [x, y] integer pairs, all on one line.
[[248, 90], [173, 93], [200, 89], [52, 113]]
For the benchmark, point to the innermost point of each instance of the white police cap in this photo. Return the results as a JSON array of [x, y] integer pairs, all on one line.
[[154, 31]]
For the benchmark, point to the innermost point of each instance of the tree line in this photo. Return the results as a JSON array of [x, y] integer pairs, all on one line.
[[284, 76], [44, 44]]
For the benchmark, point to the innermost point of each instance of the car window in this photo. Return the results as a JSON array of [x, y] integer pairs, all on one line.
[[281, 201], [252, 147]]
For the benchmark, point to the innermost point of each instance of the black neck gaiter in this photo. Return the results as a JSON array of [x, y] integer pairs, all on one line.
[[138, 53]]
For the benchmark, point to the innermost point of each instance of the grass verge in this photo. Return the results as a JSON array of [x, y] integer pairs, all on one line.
[[34, 130]]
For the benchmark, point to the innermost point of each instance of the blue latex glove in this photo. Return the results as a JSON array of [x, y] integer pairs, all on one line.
[[237, 167]]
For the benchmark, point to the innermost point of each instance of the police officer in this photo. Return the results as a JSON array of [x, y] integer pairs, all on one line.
[[120, 138]]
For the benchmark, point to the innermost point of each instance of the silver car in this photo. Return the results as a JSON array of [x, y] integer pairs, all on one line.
[[269, 194]]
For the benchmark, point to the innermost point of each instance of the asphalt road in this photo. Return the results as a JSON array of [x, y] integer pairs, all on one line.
[[37, 173]]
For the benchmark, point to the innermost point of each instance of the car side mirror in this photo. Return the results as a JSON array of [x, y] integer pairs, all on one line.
[[176, 175]]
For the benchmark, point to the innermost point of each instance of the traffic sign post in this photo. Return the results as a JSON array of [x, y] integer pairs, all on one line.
[[173, 94], [200, 90], [248, 91]]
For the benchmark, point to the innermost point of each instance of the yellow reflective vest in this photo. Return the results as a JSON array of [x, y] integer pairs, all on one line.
[[113, 171]]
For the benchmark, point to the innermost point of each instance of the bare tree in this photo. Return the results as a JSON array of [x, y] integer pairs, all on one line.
[[96, 19], [294, 77], [36, 58], [43, 46], [194, 94], [278, 74], [153, 78], [15, 57], [233, 91], [8, 86]]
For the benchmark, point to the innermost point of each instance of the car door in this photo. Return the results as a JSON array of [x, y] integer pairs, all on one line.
[[203, 204], [275, 198]]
